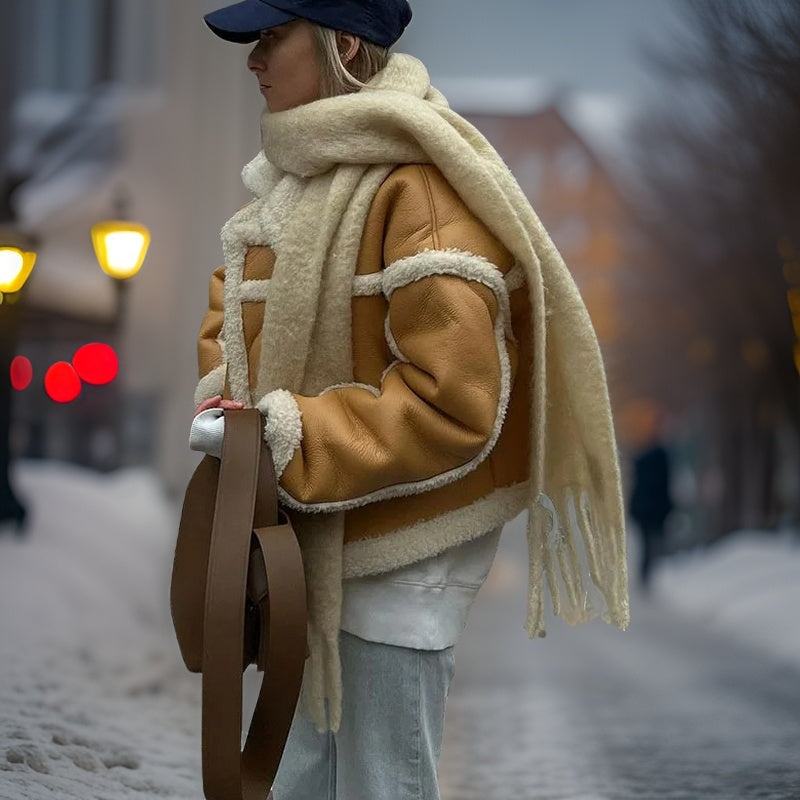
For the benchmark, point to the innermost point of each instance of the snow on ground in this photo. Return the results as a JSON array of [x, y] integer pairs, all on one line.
[[96, 703], [747, 585]]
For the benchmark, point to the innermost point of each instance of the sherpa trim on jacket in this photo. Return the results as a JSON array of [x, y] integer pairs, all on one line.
[[431, 537], [283, 428]]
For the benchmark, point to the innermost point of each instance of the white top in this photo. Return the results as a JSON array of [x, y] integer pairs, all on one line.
[[423, 605]]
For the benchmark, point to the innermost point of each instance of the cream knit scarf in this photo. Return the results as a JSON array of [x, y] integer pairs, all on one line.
[[346, 146]]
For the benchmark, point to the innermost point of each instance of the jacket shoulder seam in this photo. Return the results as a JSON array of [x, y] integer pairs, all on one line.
[[431, 206]]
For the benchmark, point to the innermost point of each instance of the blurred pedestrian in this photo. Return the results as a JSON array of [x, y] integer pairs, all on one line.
[[651, 500], [382, 304]]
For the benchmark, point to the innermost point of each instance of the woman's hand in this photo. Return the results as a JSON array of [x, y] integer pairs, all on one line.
[[217, 402]]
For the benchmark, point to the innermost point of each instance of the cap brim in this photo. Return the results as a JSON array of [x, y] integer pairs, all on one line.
[[243, 21]]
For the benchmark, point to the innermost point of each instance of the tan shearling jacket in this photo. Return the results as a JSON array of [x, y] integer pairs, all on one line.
[[434, 428]]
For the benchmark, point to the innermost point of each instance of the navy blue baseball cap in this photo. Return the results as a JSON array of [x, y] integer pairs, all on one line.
[[378, 21]]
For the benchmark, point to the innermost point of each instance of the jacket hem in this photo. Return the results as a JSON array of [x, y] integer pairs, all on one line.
[[431, 537]]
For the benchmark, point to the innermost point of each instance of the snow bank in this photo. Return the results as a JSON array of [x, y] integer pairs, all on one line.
[[96, 702], [747, 585]]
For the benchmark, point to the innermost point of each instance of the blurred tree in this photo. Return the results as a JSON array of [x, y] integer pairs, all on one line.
[[718, 153]]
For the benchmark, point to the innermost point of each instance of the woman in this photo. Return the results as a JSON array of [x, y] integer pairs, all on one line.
[[382, 304]]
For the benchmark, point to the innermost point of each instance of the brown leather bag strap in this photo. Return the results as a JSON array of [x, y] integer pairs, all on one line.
[[285, 655], [246, 474]]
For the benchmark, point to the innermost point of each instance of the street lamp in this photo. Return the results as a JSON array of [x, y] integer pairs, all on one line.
[[17, 258], [120, 247], [15, 268]]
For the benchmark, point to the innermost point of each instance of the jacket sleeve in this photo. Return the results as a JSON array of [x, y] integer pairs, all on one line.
[[441, 402], [209, 344], [436, 416]]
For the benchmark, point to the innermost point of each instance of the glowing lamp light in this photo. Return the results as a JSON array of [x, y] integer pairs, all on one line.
[[15, 267], [21, 373], [62, 383], [96, 363], [120, 247]]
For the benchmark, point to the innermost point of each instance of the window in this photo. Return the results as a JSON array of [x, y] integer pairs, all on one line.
[[74, 45], [66, 65]]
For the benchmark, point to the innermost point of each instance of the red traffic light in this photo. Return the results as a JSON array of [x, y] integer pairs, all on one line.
[[62, 383], [21, 373], [96, 363]]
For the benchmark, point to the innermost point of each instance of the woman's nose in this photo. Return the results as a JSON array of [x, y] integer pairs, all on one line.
[[255, 61]]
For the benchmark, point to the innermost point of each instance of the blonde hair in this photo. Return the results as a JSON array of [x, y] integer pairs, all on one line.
[[336, 78]]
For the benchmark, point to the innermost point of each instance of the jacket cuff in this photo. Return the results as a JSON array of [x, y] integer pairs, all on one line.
[[283, 429]]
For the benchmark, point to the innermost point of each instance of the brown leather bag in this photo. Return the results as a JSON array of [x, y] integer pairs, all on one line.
[[238, 596]]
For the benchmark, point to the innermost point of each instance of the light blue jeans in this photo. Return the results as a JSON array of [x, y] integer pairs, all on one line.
[[390, 737]]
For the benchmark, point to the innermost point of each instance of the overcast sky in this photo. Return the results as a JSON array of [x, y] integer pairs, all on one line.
[[588, 45]]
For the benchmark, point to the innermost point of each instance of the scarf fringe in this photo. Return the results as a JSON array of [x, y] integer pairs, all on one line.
[[578, 561]]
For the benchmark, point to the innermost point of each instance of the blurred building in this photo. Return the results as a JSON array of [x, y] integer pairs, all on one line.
[[106, 101]]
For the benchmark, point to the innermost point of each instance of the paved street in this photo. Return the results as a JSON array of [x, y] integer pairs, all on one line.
[[666, 710]]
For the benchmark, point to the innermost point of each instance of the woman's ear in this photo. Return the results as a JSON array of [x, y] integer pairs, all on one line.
[[347, 44]]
